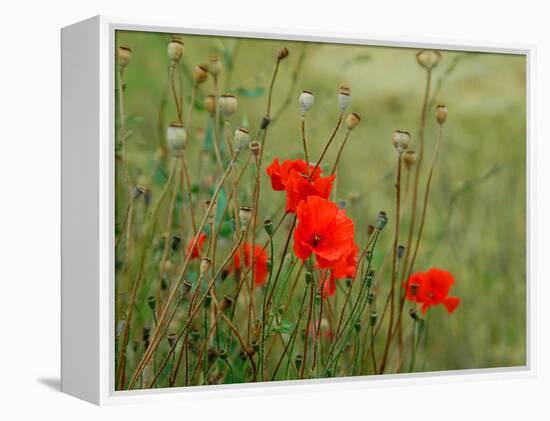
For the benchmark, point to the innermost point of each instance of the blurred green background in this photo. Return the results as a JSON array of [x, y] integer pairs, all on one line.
[[476, 219]]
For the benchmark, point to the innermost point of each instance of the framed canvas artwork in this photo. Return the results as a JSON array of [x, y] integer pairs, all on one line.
[[248, 210]]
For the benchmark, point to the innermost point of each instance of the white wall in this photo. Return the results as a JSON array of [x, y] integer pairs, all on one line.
[[29, 198]]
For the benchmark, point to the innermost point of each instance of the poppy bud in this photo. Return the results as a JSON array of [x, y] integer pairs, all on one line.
[[175, 49], [228, 105], [214, 65], [381, 221], [371, 297], [428, 58], [282, 54], [210, 104], [265, 122], [195, 334], [409, 158], [344, 98], [124, 55], [268, 226], [207, 300], [176, 138], [172, 339], [369, 278], [306, 101], [245, 213], [176, 241], [200, 74], [309, 277], [400, 251], [298, 361], [414, 314], [400, 140], [226, 303], [255, 147], [241, 138], [204, 266], [373, 318], [151, 302], [186, 287], [441, 114]]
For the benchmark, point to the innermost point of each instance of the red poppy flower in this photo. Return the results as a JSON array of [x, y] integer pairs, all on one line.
[[432, 288], [260, 258], [324, 230], [300, 180], [197, 250], [299, 187], [279, 172], [343, 268]]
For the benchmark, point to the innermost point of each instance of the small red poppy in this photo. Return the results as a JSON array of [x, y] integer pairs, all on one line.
[[323, 230], [432, 288], [260, 258], [197, 250], [279, 172]]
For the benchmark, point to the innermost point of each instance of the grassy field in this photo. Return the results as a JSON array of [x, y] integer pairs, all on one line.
[[475, 226]]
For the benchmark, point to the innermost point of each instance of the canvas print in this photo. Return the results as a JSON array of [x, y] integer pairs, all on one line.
[[302, 210]]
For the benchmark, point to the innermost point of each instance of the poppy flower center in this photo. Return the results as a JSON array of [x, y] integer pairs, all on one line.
[[316, 239]]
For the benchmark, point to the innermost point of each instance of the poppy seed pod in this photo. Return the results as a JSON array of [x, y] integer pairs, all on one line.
[[400, 140], [265, 122], [151, 302], [268, 226], [241, 139], [282, 54], [381, 221], [176, 138], [211, 211], [400, 251], [200, 74], [352, 120], [245, 213], [255, 147], [298, 361], [175, 49], [306, 101], [210, 104], [172, 339], [409, 158], [214, 65], [428, 58], [441, 114], [344, 97], [186, 287], [228, 105], [204, 266], [124, 55], [373, 317], [226, 303]]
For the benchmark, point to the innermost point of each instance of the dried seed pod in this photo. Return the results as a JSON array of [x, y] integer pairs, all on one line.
[[400, 251], [265, 122], [241, 139], [400, 140], [210, 104], [124, 55], [245, 213], [204, 266], [441, 112], [352, 120], [228, 105], [344, 97], [428, 58], [255, 147], [282, 54], [175, 49], [176, 138], [226, 303], [214, 65], [409, 158], [172, 339], [186, 287], [306, 101], [200, 74]]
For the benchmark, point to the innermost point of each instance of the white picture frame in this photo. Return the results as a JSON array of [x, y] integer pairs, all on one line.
[[88, 221]]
